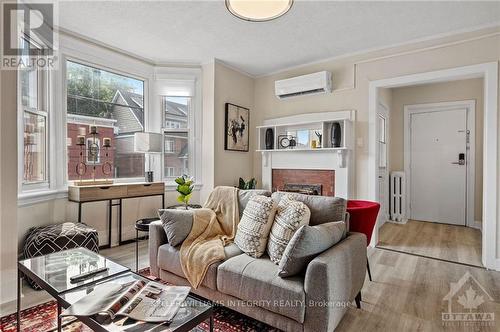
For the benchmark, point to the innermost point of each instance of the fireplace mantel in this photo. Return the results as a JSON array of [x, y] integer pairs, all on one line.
[[340, 160]]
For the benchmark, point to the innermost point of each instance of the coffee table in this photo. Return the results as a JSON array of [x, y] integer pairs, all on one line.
[[53, 272], [193, 311]]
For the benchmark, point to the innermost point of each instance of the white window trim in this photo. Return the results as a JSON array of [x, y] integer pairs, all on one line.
[[189, 76], [87, 54]]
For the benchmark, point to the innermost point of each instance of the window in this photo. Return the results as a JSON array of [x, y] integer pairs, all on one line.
[[34, 107], [382, 127], [113, 106], [177, 135]]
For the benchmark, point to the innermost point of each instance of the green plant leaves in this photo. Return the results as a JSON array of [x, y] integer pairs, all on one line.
[[185, 186]]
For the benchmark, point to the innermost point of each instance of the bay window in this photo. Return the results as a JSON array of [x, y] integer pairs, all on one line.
[[113, 104]]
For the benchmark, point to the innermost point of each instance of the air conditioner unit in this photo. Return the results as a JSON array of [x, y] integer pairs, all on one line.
[[304, 85]]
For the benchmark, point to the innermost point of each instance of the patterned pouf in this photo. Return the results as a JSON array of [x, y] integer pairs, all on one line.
[[53, 238]]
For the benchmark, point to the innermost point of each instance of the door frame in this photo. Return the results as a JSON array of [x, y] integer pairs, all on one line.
[[470, 106], [489, 73], [387, 117]]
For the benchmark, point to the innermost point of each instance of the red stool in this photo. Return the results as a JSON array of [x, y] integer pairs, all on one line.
[[362, 219]]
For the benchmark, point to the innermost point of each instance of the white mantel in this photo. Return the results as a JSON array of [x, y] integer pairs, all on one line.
[[341, 160]]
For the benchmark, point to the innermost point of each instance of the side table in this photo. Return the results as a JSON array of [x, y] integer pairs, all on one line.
[[141, 225]]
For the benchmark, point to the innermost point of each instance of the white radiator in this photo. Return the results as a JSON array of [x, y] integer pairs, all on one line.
[[398, 197]]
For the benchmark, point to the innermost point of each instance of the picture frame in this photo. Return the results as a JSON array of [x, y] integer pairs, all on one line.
[[236, 128]]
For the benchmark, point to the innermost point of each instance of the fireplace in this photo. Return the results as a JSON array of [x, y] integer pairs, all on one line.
[[304, 181]]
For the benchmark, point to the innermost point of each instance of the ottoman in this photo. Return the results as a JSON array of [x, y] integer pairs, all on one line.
[[53, 238]]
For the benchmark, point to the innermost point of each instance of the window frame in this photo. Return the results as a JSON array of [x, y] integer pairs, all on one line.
[[43, 109], [95, 65], [188, 130]]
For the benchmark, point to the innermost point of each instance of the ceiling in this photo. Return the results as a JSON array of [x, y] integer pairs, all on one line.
[[199, 31]]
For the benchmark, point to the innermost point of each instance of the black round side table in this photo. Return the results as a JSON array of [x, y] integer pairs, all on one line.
[[141, 225], [183, 207]]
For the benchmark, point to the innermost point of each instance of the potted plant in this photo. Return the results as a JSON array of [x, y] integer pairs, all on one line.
[[242, 184], [185, 186]]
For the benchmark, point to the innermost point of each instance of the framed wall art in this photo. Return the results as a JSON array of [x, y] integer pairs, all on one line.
[[236, 128]]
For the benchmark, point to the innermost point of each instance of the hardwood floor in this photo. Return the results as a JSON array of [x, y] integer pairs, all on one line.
[[448, 242], [406, 294]]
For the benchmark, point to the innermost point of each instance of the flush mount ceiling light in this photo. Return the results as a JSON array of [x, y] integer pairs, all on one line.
[[258, 10]]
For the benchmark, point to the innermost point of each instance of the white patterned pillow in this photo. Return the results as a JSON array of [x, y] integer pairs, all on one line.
[[255, 225], [290, 216]]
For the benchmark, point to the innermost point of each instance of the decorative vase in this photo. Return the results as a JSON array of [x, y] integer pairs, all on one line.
[[269, 139], [336, 135]]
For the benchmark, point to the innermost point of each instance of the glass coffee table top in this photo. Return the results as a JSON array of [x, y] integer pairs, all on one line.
[[193, 310], [57, 268]]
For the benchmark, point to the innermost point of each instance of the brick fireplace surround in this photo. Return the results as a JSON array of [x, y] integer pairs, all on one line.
[[326, 178]]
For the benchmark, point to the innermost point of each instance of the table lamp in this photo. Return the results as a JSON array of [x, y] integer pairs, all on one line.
[[148, 143]]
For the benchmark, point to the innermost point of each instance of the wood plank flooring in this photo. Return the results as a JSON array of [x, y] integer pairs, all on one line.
[[448, 242], [406, 293]]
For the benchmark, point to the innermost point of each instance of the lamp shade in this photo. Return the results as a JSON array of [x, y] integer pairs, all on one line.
[[148, 142]]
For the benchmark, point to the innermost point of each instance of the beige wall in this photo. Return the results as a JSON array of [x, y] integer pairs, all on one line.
[[8, 185], [471, 89], [351, 76], [233, 87]]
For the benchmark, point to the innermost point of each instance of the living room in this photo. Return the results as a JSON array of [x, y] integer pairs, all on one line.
[[100, 131]]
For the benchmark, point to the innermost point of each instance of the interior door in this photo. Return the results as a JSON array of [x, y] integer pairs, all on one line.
[[438, 171], [383, 169]]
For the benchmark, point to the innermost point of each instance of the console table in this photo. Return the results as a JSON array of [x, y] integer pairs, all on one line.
[[118, 191]]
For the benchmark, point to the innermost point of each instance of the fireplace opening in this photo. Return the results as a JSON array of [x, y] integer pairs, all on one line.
[[305, 181], [307, 189]]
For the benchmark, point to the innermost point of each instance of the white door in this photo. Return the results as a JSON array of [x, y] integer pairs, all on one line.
[[383, 168], [438, 142]]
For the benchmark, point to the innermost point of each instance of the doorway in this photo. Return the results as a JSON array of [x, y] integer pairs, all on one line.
[[439, 161], [488, 73]]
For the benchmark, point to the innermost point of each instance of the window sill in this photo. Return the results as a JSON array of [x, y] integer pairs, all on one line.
[[169, 186], [38, 196]]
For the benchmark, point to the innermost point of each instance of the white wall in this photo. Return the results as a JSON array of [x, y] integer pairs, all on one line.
[[8, 185], [352, 74], [233, 87]]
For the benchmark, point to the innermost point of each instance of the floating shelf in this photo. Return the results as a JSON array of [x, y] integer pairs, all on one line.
[[306, 150]]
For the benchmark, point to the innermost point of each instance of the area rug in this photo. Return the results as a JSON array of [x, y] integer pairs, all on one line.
[[43, 318]]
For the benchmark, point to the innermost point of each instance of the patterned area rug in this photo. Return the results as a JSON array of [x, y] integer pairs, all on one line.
[[43, 318]]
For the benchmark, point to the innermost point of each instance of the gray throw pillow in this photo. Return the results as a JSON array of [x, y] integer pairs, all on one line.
[[177, 224], [307, 243]]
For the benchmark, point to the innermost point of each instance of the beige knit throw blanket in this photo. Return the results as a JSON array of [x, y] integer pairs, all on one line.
[[214, 227]]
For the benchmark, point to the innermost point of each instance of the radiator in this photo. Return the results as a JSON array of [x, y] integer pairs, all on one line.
[[398, 197]]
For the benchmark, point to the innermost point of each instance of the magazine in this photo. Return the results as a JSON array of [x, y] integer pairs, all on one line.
[[146, 301]]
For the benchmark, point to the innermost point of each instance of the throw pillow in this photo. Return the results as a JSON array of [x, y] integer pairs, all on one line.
[[307, 243], [290, 216], [177, 224], [255, 225]]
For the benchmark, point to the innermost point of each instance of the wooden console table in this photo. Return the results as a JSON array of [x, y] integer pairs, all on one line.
[[118, 191]]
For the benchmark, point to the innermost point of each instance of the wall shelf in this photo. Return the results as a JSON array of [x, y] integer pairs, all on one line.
[[306, 129]]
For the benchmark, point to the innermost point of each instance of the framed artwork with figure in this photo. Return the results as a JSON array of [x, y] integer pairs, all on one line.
[[236, 128]]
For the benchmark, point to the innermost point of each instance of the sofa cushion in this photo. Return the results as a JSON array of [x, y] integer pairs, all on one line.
[[290, 216], [244, 197], [255, 225], [169, 260], [323, 208], [177, 224], [307, 243], [256, 280]]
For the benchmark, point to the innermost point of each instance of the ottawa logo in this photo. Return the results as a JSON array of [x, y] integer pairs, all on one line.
[[467, 304]]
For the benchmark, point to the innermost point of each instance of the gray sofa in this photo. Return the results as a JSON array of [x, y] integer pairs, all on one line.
[[313, 301]]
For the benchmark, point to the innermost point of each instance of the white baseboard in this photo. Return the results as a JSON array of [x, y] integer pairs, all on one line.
[[477, 225]]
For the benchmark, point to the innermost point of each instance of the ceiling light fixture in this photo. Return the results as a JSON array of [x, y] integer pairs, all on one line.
[[258, 10]]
